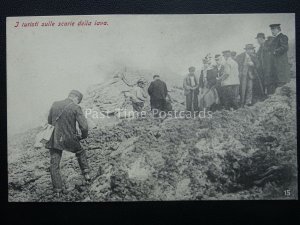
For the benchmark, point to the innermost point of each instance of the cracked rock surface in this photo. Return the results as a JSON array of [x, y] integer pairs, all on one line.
[[249, 153]]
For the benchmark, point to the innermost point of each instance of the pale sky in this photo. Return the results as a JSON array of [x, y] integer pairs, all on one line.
[[45, 63]]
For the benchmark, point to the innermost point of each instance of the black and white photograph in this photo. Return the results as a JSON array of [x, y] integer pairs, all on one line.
[[165, 107]]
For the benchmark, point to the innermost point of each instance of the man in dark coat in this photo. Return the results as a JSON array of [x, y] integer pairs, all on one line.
[[279, 48], [248, 64], [64, 115], [265, 58], [158, 92]]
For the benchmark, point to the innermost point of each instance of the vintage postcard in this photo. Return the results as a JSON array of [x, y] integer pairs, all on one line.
[[107, 108]]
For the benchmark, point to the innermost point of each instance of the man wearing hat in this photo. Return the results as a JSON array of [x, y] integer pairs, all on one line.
[[63, 116], [279, 48], [220, 72], [247, 71], [191, 90], [265, 62], [139, 96], [230, 82], [158, 92]]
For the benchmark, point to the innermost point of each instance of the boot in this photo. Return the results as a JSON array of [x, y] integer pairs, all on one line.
[[87, 177]]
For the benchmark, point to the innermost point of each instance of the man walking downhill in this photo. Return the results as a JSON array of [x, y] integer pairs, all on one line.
[[230, 82], [64, 115], [191, 90], [279, 48]]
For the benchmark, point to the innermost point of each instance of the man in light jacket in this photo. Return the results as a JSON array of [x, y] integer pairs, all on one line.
[[230, 82], [139, 96]]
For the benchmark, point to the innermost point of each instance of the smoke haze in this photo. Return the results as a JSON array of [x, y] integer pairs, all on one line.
[[45, 63]]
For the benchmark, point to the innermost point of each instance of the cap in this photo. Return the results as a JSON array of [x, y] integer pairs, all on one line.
[[76, 93], [261, 35], [274, 25], [249, 46]]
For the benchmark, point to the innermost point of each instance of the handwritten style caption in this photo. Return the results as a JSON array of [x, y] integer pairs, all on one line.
[[51, 23]]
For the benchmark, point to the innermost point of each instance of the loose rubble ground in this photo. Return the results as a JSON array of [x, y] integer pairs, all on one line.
[[249, 153]]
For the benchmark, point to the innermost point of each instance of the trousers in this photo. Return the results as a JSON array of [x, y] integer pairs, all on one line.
[[230, 94], [55, 158], [246, 91], [159, 104]]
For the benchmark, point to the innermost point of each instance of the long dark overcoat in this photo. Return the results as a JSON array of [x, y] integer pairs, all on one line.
[[265, 62], [279, 48]]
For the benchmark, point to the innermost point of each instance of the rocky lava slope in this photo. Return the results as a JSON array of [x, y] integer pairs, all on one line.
[[249, 153]]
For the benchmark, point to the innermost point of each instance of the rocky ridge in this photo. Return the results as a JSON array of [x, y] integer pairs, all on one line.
[[249, 153]]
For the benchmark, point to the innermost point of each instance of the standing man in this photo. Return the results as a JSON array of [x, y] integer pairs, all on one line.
[[233, 55], [264, 58], [230, 82], [158, 92], [139, 96], [220, 72], [279, 48], [64, 115], [191, 90], [247, 72]]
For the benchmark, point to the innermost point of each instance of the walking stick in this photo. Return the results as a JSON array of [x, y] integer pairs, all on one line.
[[192, 101], [208, 91], [260, 83]]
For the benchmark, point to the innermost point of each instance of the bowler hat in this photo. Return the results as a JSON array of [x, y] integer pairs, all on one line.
[[260, 35], [249, 46], [274, 25], [226, 52]]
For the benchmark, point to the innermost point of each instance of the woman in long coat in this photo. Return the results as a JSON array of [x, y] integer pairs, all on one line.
[[208, 97]]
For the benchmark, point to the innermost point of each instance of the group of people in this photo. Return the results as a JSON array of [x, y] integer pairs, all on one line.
[[235, 81], [157, 91], [230, 82]]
